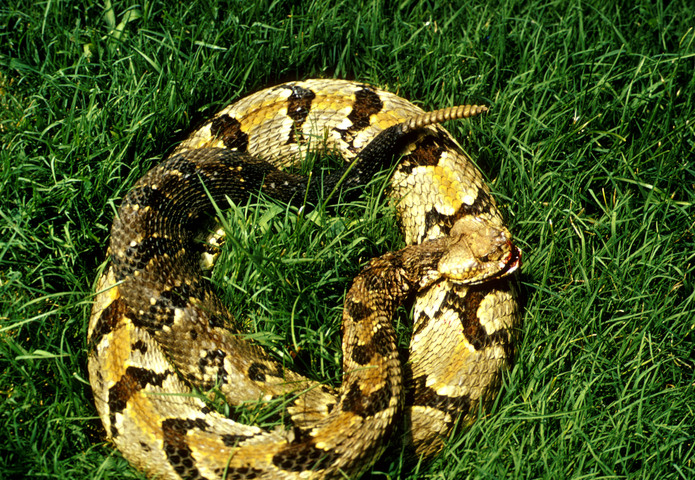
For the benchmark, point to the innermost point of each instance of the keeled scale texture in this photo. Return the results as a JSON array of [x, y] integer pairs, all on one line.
[[156, 325]]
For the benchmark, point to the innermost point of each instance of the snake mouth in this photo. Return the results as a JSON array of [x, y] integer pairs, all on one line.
[[506, 266], [512, 263]]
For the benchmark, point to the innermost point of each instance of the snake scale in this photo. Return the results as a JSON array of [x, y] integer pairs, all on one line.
[[158, 333]]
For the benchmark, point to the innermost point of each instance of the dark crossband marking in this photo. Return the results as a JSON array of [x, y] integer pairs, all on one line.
[[176, 447], [481, 204], [160, 311], [379, 344], [132, 382], [229, 130], [258, 371], [357, 310], [241, 473], [180, 296], [427, 396], [357, 402], [144, 197], [367, 103], [298, 107], [212, 366], [428, 152], [108, 319], [150, 248], [420, 323], [303, 456], [233, 440], [466, 305]]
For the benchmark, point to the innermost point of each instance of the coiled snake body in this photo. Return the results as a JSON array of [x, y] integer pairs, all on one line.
[[157, 327]]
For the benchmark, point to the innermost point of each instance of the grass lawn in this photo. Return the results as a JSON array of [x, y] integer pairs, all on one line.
[[589, 146]]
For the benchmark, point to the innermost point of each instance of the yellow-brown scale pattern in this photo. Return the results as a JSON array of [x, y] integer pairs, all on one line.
[[157, 327]]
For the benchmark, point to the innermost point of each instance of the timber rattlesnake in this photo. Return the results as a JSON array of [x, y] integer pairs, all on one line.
[[156, 326]]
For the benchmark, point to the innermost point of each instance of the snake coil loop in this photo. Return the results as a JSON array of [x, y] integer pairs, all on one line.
[[157, 327]]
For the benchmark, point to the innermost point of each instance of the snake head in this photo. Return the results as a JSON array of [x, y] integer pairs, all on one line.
[[479, 250]]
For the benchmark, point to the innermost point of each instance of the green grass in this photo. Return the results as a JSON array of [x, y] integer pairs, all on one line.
[[589, 146]]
